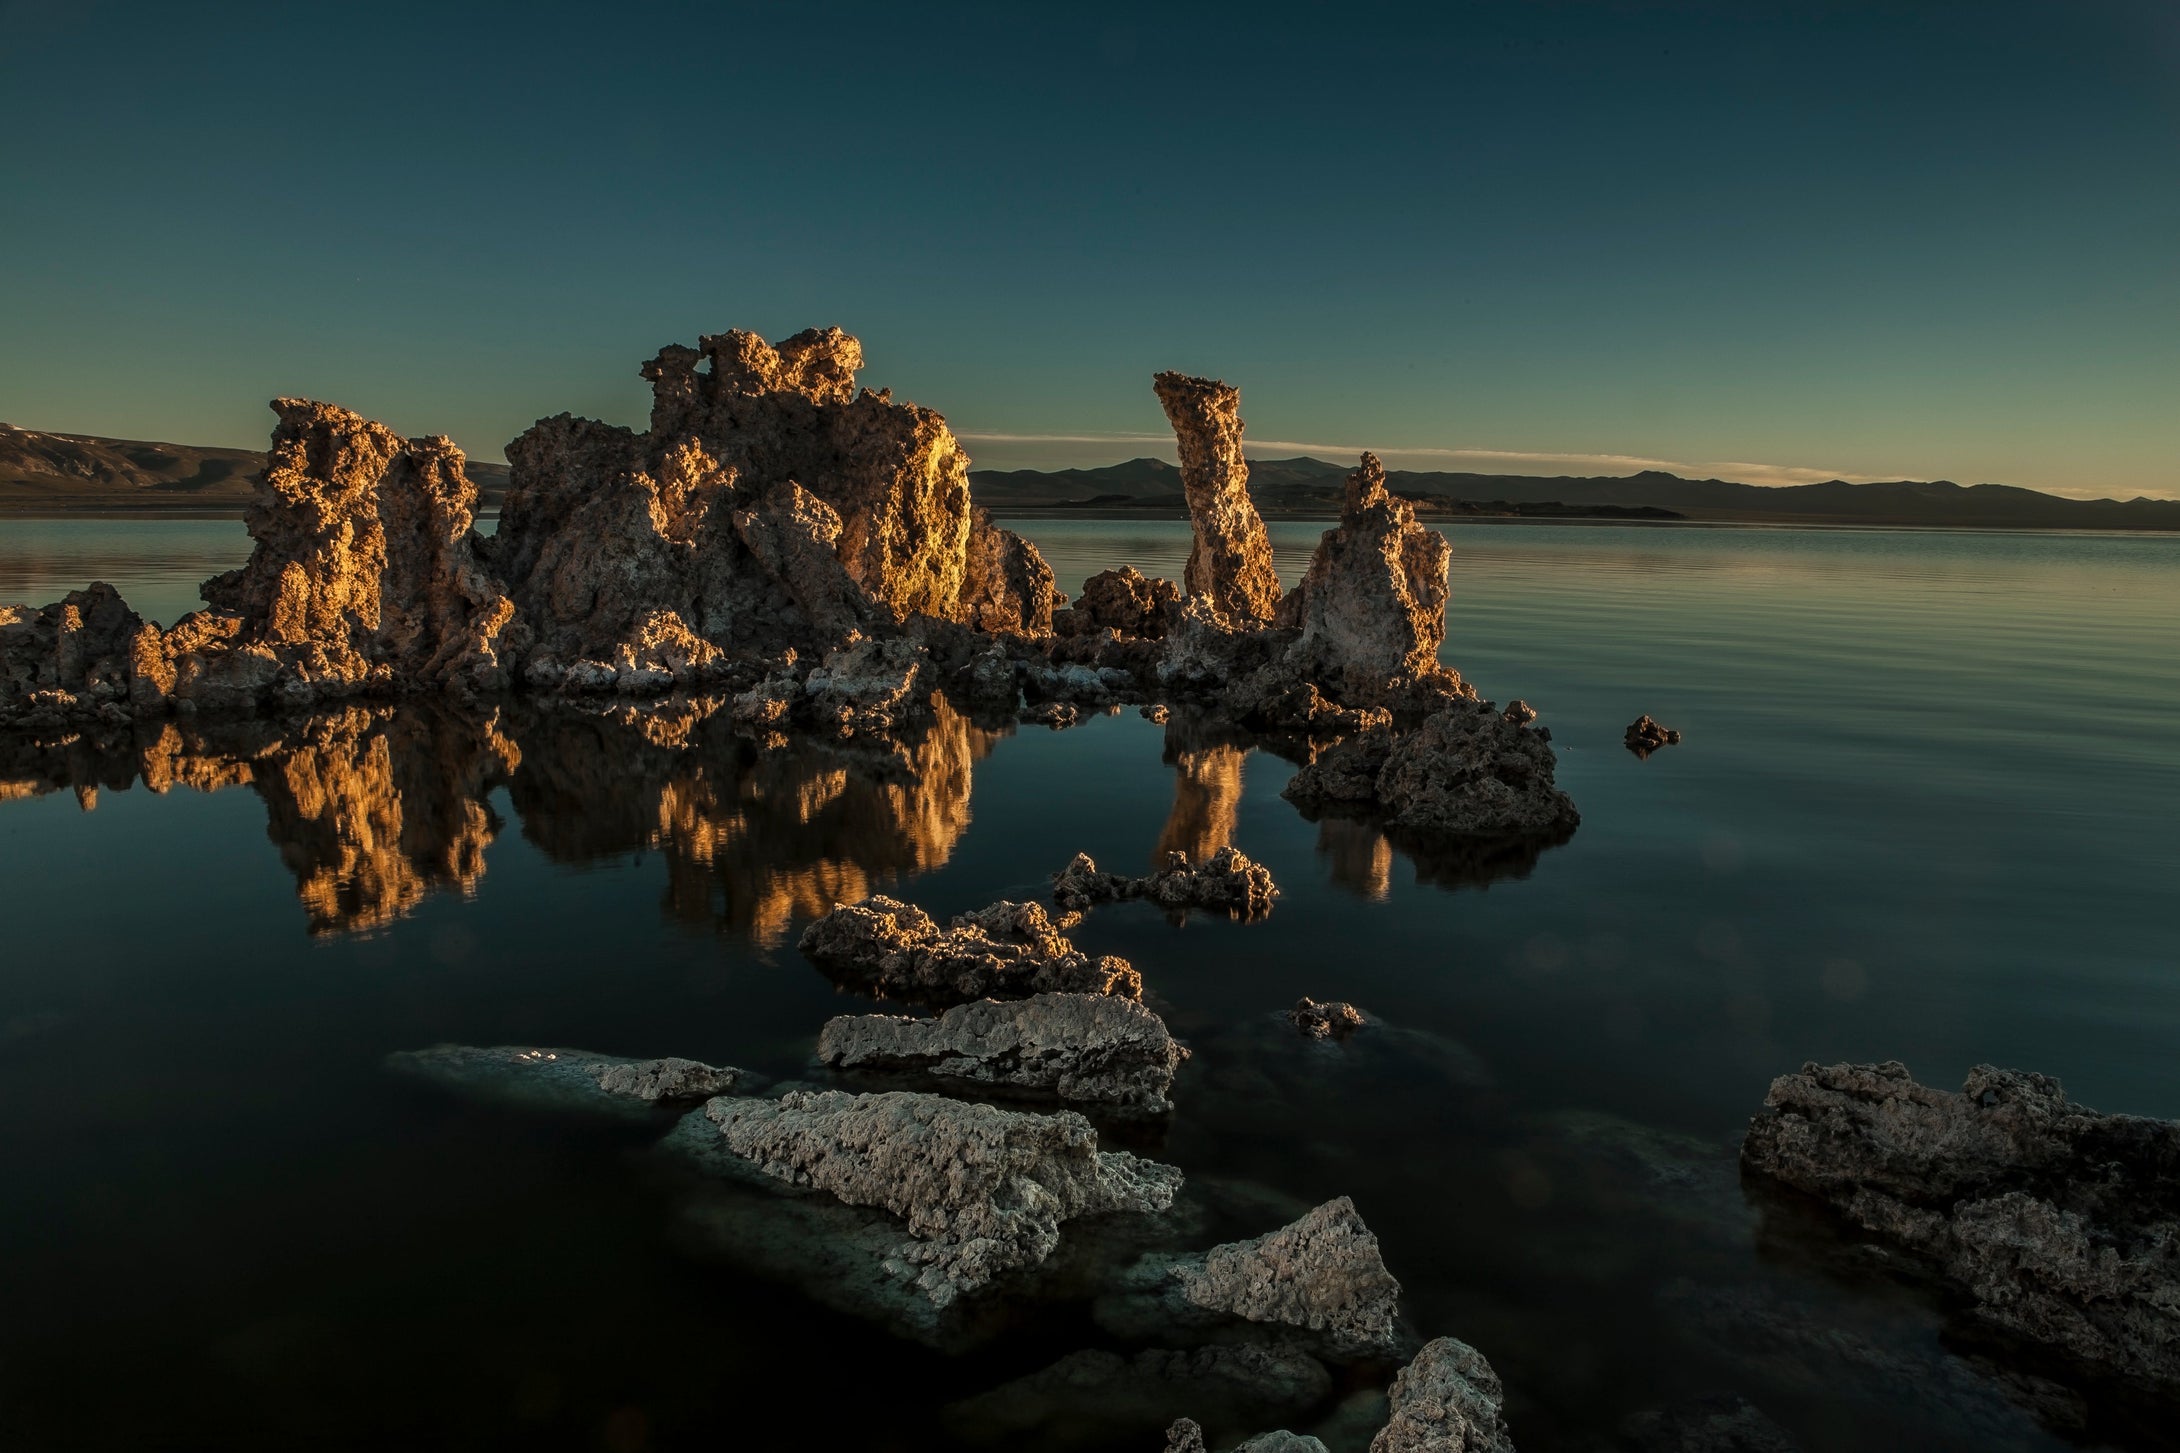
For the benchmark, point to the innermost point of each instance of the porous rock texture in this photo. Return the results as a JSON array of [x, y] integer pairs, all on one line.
[[1006, 950], [1467, 770], [1372, 607], [1320, 1280], [567, 1079], [1228, 881], [1446, 1401], [1124, 601], [1088, 1047], [1230, 563], [2061, 1223], [86, 654], [983, 1191]]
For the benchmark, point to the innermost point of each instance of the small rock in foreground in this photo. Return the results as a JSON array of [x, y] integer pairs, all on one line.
[[1446, 1401], [567, 1079], [1007, 950]]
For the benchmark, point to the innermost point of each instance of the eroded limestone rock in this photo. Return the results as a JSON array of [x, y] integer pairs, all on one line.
[[1231, 562], [1006, 950], [1227, 881], [1446, 1401], [86, 652], [567, 1079], [1372, 608], [982, 1191], [1124, 601], [2061, 1223], [1321, 1278], [1089, 1047]]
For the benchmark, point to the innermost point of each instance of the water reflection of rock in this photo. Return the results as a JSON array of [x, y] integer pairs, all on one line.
[[1206, 798], [753, 835]]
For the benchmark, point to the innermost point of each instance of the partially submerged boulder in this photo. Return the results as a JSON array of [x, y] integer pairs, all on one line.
[[1095, 1048], [1320, 1280], [1446, 1401], [567, 1079], [1331, 1019], [2062, 1224], [1228, 881], [983, 1191], [1467, 771], [1007, 950], [1645, 735]]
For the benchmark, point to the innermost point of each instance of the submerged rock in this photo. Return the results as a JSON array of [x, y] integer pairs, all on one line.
[[1006, 950], [1227, 881], [982, 1191], [1332, 1019], [1721, 1423], [1230, 563], [2061, 1223], [1645, 736], [1446, 1401], [567, 1079], [1321, 1280], [1088, 1047], [1095, 1398]]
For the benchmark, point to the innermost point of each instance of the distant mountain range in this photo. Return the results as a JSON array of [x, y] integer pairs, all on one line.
[[79, 471], [1312, 487]]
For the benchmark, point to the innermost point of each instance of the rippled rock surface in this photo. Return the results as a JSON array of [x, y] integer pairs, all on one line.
[[2061, 1223], [1095, 1048]]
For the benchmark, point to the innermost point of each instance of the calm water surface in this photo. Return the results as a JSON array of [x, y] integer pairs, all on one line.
[[1925, 810]]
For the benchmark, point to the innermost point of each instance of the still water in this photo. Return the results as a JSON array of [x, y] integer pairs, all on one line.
[[1925, 810]]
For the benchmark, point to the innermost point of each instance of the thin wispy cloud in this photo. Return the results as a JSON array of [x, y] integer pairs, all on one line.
[[1460, 460]]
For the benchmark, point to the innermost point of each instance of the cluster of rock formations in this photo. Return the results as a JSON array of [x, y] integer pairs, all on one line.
[[2062, 1225], [895, 950], [809, 548], [1226, 882], [1334, 1019]]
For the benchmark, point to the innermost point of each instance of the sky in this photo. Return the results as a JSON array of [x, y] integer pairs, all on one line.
[[1773, 242]]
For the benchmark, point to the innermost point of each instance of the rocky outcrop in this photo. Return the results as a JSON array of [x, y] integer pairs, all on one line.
[[567, 1079], [364, 578], [1334, 1019], [1645, 735], [1008, 950], [87, 654], [1095, 1048], [1466, 771], [1230, 564], [1006, 589], [1446, 1401], [982, 1191], [1320, 1280], [1372, 608], [2062, 1224], [1227, 882], [1125, 602]]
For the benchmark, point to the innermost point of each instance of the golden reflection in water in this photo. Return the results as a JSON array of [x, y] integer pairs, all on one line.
[[1206, 802], [1358, 855]]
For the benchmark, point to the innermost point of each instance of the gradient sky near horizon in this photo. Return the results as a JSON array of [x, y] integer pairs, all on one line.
[[1770, 242]]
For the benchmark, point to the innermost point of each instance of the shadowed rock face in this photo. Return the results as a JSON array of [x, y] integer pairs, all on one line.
[[1467, 771], [80, 655], [1096, 1048], [2061, 1223], [982, 1191], [1231, 561]]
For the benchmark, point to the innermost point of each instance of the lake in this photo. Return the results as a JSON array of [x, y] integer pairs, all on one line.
[[1925, 809]]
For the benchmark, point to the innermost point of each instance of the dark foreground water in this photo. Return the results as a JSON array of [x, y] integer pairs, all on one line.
[[1926, 809]]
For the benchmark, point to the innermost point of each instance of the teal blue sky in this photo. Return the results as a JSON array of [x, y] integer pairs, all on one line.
[[1770, 242]]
